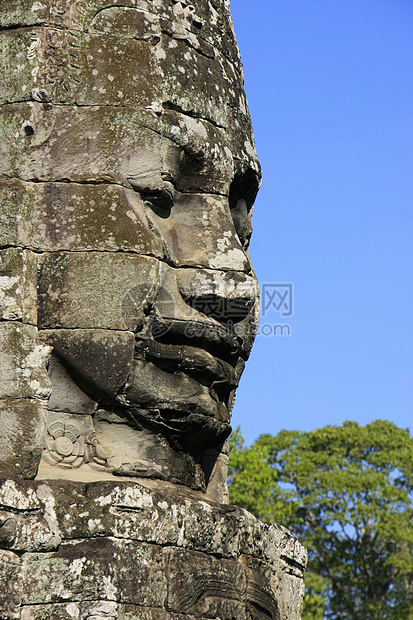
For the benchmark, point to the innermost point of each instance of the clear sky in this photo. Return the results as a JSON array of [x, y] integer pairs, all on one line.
[[330, 89]]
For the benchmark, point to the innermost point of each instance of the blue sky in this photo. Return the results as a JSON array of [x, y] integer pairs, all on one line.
[[330, 89]]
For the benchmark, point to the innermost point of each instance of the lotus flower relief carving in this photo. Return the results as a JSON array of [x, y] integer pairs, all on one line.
[[67, 447]]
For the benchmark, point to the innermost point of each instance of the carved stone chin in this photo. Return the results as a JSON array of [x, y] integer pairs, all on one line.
[[128, 303]]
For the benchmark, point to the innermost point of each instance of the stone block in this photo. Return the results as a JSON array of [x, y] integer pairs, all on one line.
[[48, 65], [207, 237], [18, 277], [204, 586], [193, 26], [183, 23], [12, 585], [97, 610], [42, 142], [241, 139], [96, 569], [184, 72], [261, 597], [18, 13], [72, 216], [131, 147], [289, 592], [27, 517], [66, 395], [59, 611], [132, 612], [70, 442], [24, 358], [197, 154], [119, 509], [23, 424], [157, 512], [95, 290], [99, 360], [161, 551], [67, 14], [142, 454]]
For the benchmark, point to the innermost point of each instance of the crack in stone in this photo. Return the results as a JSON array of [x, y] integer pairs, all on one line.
[[20, 511], [169, 105]]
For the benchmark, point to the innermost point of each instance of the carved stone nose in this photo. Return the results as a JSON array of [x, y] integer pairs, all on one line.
[[227, 297], [199, 295]]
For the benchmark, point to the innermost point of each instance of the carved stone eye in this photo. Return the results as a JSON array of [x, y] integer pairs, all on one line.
[[242, 193], [160, 201], [241, 221]]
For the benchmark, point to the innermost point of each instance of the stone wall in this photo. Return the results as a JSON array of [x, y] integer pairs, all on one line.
[[127, 551]]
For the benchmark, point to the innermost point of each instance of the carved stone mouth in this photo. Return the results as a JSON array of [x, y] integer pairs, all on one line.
[[192, 360], [216, 377], [207, 353], [180, 384]]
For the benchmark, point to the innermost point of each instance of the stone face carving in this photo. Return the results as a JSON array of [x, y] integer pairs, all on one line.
[[127, 178], [128, 307]]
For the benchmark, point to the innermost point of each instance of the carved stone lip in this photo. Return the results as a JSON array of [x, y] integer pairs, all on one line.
[[190, 359], [184, 429], [209, 337]]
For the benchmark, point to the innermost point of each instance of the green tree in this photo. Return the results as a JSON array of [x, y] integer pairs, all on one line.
[[347, 493]]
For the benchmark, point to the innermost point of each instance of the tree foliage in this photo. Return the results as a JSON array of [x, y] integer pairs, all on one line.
[[347, 494]]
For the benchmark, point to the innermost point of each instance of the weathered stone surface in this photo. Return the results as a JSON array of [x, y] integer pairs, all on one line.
[[66, 395], [23, 362], [37, 144], [71, 441], [27, 516], [53, 66], [100, 359], [116, 140], [90, 290], [207, 21], [18, 294], [12, 586], [97, 610], [203, 28], [184, 71], [96, 570], [196, 583], [171, 538], [207, 235], [262, 582], [241, 141], [71, 216], [52, 143], [143, 453], [92, 610], [167, 515], [23, 424]]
